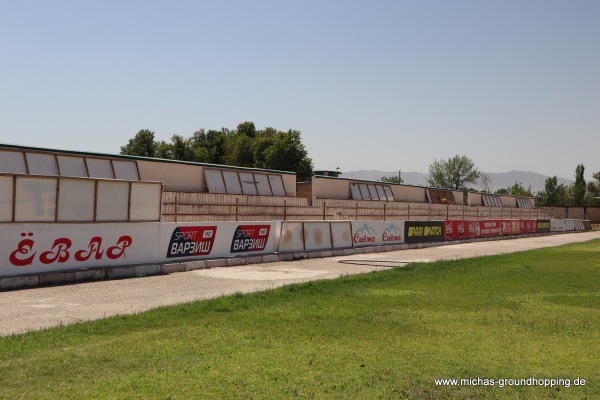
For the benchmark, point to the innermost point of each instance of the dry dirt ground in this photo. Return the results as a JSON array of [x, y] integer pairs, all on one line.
[[36, 308]]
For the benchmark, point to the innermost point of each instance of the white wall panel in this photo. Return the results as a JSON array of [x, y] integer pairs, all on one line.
[[355, 191], [381, 192], [35, 199], [557, 225], [277, 185], [364, 191], [232, 182], [41, 164], [262, 185], [146, 201], [12, 162], [291, 238], [341, 233], [6, 198], [125, 170], [72, 166], [214, 181], [248, 183], [112, 201], [388, 193], [76, 200], [99, 168], [317, 236], [373, 192]]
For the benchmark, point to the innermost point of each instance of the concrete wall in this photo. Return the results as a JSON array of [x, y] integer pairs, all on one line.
[[411, 194], [330, 188], [175, 176], [474, 199], [339, 188], [289, 182], [190, 177], [508, 201], [458, 197], [591, 213]]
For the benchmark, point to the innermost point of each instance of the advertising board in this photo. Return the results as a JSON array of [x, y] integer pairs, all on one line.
[[488, 228], [215, 239], [459, 229], [374, 233], [423, 231], [510, 226], [557, 225], [542, 225], [41, 248], [528, 225]]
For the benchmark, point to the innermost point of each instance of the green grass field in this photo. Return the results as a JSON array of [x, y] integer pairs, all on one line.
[[383, 335]]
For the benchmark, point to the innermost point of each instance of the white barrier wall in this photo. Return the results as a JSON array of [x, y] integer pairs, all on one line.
[[314, 235], [41, 248], [37, 248], [557, 225]]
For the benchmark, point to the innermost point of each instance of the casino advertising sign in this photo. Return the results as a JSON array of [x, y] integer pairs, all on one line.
[[542, 225], [423, 231]]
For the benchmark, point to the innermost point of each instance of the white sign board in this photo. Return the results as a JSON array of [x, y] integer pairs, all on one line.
[[372, 233], [41, 248]]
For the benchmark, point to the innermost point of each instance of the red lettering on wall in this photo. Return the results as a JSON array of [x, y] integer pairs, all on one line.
[[93, 248], [118, 250], [58, 253], [25, 254]]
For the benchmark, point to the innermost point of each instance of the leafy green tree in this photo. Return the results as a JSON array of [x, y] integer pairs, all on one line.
[[593, 190], [239, 152], [182, 149], [142, 144], [246, 128], [549, 196], [244, 147], [516, 189], [391, 179], [217, 145], [262, 141], [164, 150], [287, 153], [555, 194], [454, 173], [579, 186]]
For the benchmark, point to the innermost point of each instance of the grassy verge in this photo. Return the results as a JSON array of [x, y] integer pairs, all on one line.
[[381, 335]]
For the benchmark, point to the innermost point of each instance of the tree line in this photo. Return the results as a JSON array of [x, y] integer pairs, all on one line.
[[579, 193], [458, 172], [244, 146], [270, 148]]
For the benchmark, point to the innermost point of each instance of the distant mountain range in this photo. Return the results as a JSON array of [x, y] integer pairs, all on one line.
[[499, 179]]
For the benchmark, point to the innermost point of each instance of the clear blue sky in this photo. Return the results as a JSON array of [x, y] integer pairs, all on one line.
[[371, 84]]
